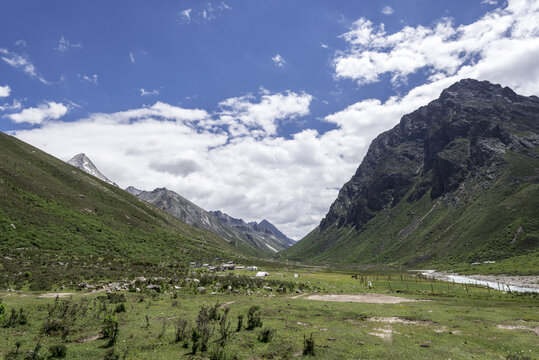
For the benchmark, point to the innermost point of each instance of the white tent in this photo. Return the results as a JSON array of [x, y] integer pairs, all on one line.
[[262, 273]]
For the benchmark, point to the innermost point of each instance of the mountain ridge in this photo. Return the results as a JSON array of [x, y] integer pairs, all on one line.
[[438, 167]]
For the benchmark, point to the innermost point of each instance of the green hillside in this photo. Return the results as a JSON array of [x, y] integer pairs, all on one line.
[[435, 232], [58, 223], [455, 183]]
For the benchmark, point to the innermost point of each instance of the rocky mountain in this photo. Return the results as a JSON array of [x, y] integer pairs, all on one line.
[[133, 190], [455, 181], [82, 162], [251, 238], [53, 216], [273, 229], [264, 232]]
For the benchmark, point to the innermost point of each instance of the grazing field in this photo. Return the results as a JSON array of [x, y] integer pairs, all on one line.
[[326, 315]]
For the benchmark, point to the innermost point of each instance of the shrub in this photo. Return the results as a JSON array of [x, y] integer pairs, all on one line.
[[15, 318], [53, 326], [115, 297], [181, 330], [253, 318], [110, 355], [240, 323], [120, 308], [518, 357], [218, 353], [224, 327], [266, 335], [110, 330], [308, 345], [57, 351]]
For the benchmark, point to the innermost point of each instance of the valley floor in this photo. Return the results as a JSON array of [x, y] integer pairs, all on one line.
[[397, 317]]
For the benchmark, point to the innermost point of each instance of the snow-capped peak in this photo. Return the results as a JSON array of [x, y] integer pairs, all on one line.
[[82, 162]]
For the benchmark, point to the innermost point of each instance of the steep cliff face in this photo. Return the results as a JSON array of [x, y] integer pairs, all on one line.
[[444, 155]]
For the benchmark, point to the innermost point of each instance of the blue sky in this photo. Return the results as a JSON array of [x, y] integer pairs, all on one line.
[[259, 108]]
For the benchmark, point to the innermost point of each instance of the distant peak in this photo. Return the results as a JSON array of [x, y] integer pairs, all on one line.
[[84, 163]]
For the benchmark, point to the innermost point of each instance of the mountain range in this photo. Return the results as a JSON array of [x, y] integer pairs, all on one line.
[[455, 181], [261, 239]]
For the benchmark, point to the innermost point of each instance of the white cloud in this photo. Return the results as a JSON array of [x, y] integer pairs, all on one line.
[[21, 43], [144, 92], [21, 62], [131, 57], [209, 12], [64, 45], [243, 117], [278, 60], [387, 10], [234, 160], [489, 2], [5, 91], [440, 50], [15, 105], [88, 78], [325, 46], [185, 15], [46, 111]]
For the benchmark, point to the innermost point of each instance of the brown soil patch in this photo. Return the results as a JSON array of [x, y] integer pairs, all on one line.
[[534, 329], [362, 298]]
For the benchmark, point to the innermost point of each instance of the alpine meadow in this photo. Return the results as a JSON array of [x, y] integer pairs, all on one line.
[[235, 179]]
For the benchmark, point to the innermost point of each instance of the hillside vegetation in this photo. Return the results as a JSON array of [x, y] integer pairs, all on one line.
[[58, 223], [456, 182]]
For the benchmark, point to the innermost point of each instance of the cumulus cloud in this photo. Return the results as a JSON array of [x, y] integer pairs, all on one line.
[[233, 159], [278, 60], [21, 62], [46, 111], [440, 50], [64, 45], [15, 105], [5, 91], [387, 10], [88, 78], [243, 117], [144, 92]]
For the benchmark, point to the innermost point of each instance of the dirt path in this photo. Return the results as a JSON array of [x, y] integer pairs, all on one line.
[[53, 295], [361, 298], [534, 329]]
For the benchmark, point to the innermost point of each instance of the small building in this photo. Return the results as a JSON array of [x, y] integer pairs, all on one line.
[[229, 266], [240, 267], [262, 273], [252, 268]]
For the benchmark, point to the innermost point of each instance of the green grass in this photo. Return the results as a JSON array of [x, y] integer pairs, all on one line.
[[472, 225], [453, 322], [59, 224]]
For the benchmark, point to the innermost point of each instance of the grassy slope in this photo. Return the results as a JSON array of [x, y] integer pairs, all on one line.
[[484, 226], [62, 214]]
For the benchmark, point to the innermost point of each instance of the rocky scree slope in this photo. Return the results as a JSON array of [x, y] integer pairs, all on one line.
[[455, 181]]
